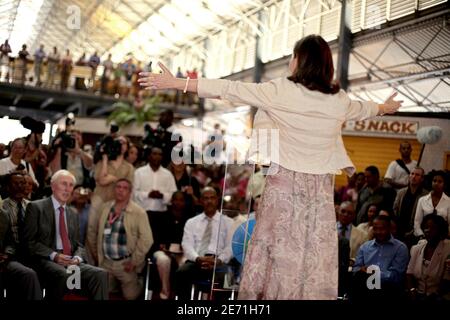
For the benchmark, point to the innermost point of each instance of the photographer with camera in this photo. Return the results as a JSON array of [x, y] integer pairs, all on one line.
[[107, 172], [16, 161], [25, 152], [69, 155]]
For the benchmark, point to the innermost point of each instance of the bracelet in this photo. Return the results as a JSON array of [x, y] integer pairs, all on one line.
[[186, 86]]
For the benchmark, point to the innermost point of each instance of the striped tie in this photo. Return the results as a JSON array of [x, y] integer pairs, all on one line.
[[206, 239]]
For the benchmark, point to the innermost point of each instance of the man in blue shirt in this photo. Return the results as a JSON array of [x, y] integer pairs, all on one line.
[[388, 256]]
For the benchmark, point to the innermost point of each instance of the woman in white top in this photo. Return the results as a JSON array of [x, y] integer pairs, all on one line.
[[436, 202], [294, 248]]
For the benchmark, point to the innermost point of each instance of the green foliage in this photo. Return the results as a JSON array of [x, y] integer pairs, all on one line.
[[125, 114]]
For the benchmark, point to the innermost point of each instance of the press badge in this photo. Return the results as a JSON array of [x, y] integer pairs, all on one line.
[[107, 231]]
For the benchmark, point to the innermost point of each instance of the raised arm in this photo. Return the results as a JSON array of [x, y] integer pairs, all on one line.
[[166, 80], [254, 94]]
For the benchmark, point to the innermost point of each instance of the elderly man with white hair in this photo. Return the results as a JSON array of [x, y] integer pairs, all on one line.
[[52, 237]]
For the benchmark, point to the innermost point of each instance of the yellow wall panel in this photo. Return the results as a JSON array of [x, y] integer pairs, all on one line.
[[366, 151]]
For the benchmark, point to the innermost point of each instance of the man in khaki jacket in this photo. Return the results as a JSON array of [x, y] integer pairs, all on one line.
[[124, 237]]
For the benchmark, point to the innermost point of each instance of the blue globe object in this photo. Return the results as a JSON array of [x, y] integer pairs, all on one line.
[[241, 238]]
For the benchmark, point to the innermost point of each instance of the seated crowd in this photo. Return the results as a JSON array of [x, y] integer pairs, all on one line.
[[76, 223]]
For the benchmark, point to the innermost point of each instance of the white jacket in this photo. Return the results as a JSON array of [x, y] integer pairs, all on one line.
[[309, 122]]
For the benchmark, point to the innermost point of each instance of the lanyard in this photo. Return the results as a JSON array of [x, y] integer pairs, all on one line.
[[113, 218]]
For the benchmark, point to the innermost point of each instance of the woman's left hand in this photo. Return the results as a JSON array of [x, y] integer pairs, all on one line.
[[391, 105], [157, 81]]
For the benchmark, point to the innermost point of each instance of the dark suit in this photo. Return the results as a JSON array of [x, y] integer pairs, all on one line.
[[21, 282], [40, 236]]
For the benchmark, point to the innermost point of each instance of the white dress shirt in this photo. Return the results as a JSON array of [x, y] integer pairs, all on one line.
[[309, 122], [146, 180], [193, 234], [425, 207]]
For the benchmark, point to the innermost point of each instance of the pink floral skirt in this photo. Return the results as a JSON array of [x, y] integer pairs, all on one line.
[[293, 253]]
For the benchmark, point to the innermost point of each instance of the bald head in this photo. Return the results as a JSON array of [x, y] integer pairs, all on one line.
[[346, 213]]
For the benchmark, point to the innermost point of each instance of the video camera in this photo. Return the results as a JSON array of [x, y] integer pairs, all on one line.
[[109, 145], [33, 125], [67, 139]]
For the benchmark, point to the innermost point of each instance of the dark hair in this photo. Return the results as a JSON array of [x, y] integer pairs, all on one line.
[[439, 173], [8, 177], [130, 184], [314, 67], [373, 170], [439, 221], [177, 193], [383, 218]]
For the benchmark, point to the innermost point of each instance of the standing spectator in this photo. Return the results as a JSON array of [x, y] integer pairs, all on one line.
[[107, 172], [118, 79], [80, 202], [21, 65], [154, 186], [52, 236], [79, 82], [405, 204], [22, 282], [5, 50], [398, 171], [374, 192], [163, 136], [389, 255], [108, 70], [132, 155], [427, 268], [53, 60], [39, 57], [123, 240], [436, 202], [76, 160], [15, 159], [128, 71], [66, 69], [94, 62]]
